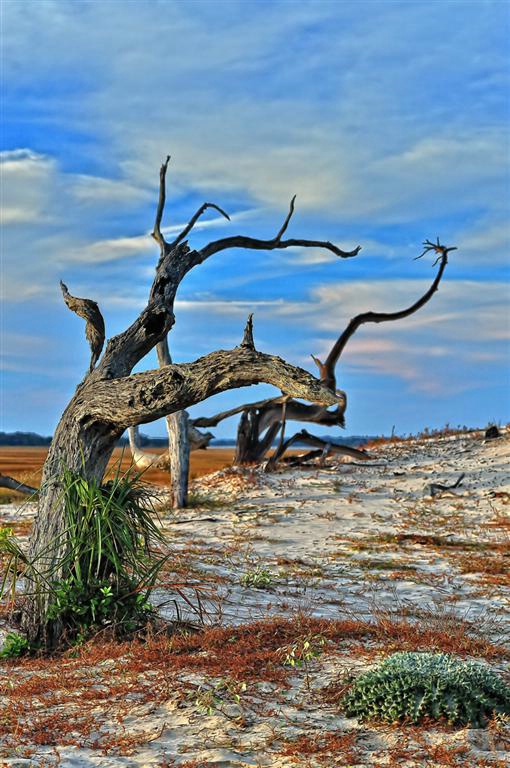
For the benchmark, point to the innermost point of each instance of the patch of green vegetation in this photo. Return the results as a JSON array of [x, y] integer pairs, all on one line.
[[15, 645], [210, 700], [259, 578], [418, 686], [304, 650]]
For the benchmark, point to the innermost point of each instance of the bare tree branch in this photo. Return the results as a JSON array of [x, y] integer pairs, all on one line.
[[94, 328], [187, 229], [287, 220], [156, 232], [271, 410], [240, 241], [15, 485], [213, 421], [327, 369], [307, 439]]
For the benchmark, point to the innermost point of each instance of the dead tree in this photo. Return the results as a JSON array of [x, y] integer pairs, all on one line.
[[111, 398], [261, 421]]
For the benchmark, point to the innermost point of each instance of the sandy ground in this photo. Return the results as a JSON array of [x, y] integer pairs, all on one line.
[[361, 543]]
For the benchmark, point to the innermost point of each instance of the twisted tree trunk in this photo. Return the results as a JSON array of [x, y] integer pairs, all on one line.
[[110, 398]]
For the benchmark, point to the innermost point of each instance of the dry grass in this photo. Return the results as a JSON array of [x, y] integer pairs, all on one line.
[[325, 746], [25, 464], [64, 700]]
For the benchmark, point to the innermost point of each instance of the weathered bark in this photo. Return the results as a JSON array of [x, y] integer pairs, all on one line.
[[179, 449], [253, 444], [94, 328], [110, 399], [178, 442]]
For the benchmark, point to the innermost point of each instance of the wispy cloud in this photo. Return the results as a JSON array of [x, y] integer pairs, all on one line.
[[387, 131]]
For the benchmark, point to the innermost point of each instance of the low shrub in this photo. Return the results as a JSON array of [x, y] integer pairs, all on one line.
[[420, 686]]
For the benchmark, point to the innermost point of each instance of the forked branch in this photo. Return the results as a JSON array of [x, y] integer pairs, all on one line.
[[240, 241], [189, 226]]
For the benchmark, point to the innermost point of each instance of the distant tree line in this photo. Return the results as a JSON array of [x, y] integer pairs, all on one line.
[[32, 438]]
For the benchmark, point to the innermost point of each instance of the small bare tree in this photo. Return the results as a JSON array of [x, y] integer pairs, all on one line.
[[110, 398], [261, 421]]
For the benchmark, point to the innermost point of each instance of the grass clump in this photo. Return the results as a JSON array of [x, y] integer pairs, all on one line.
[[422, 686], [112, 558]]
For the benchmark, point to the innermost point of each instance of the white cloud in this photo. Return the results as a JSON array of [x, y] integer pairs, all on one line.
[[310, 117], [27, 180], [122, 247]]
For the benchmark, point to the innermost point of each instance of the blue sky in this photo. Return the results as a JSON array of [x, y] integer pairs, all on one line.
[[388, 120]]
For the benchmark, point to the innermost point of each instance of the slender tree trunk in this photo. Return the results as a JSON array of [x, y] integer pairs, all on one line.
[[179, 449], [178, 442]]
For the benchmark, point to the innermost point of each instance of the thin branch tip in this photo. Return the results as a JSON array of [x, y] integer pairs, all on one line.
[[287, 220], [441, 250]]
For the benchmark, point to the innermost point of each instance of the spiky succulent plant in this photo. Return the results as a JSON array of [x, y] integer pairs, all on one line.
[[416, 686]]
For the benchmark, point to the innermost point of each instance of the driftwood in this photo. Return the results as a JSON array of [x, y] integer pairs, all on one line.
[[15, 485], [435, 489], [253, 444], [324, 448], [111, 398]]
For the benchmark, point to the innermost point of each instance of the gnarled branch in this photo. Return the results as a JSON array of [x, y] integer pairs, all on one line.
[[144, 397], [327, 369], [94, 328]]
